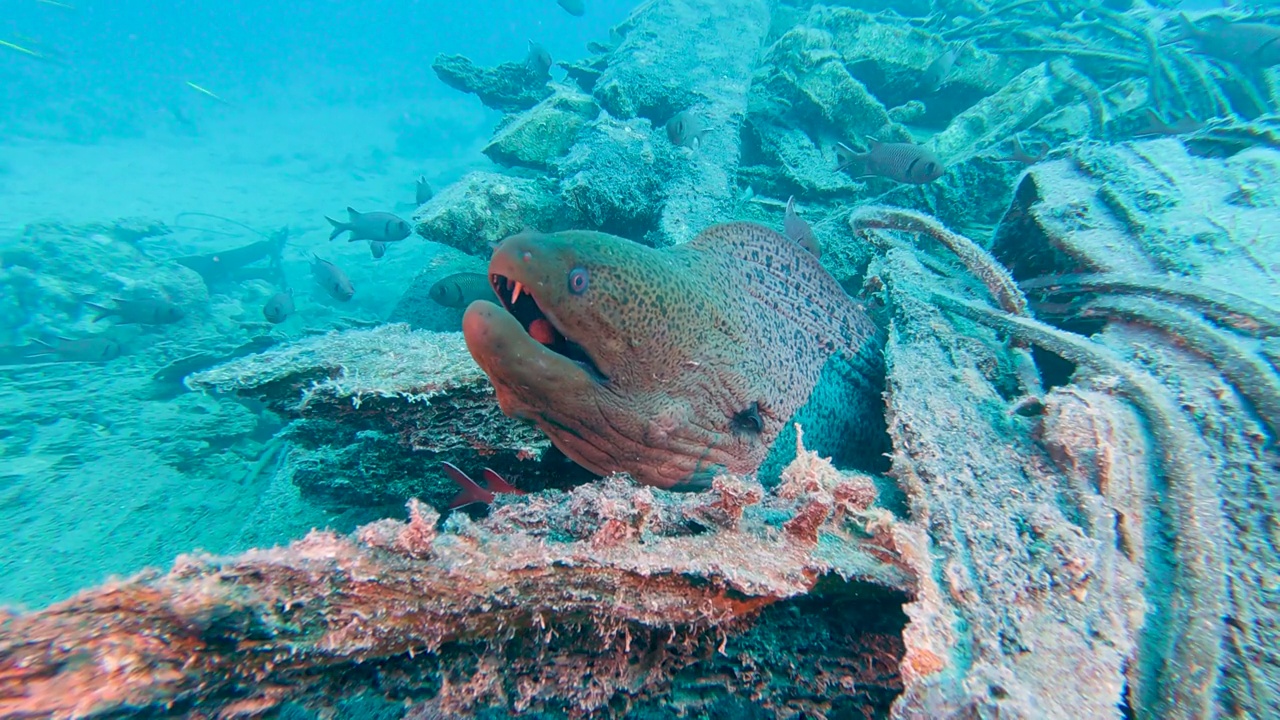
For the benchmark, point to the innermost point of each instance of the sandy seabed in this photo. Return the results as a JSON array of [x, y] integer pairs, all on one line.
[[101, 477]]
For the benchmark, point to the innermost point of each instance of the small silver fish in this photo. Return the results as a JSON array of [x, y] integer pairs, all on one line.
[[1157, 125], [797, 229], [332, 279], [685, 129], [461, 289], [377, 249], [90, 349], [423, 190], [380, 226], [279, 307], [903, 162], [939, 70], [538, 61], [140, 312]]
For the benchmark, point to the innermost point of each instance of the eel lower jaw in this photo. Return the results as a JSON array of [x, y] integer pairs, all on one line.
[[518, 301]]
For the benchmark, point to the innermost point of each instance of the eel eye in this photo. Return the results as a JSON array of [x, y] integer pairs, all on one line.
[[748, 420], [579, 278]]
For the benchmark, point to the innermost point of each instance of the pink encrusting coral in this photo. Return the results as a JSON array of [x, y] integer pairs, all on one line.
[[574, 601]]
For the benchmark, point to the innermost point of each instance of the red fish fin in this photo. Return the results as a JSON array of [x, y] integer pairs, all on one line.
[[497, 485], [471, 492]]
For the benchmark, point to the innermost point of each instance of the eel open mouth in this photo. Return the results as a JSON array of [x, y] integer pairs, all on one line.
[[521, 304]]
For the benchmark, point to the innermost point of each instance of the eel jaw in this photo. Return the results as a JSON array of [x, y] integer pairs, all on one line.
[[522, 305]]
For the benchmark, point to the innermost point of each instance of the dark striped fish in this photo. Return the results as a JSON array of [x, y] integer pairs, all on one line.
[[379, 226], [461, 289], [939, 70], [1244, 43], [797, 229], [903, 162], [685, 129], [140, 312], [91, 349], [279, 307], [332, 279], [538, 61]]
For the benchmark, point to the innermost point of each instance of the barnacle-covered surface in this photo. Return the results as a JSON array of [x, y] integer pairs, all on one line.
[[1179, 280], [1187, 314]]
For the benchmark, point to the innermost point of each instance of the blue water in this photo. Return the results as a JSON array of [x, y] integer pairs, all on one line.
[[326, 104], [127, 60]]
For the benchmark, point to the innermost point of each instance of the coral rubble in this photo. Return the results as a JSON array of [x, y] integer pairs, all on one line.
[[376, 411]]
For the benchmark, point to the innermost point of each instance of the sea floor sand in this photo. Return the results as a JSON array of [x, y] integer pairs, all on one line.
[[101, 477]]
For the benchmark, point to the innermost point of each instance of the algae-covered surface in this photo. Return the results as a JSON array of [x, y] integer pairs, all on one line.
[[249, 468]]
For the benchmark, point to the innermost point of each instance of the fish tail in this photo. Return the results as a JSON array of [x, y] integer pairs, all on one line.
[[1190, 29], [846, 157], [497, 484], [338, 227], [103, 311], [471, 491]]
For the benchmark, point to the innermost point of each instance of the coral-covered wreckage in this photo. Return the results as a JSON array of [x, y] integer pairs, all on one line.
[[1082, 398]]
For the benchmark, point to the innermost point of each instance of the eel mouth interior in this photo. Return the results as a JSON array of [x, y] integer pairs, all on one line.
[[520, 303]]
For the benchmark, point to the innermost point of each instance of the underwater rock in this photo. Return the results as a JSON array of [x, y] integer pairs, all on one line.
[[695, 56], [537, 136], [613, 177], [416, 306], [362, 393], [890, 59], [680, 53], [1049, 604], [1018, 105], [1145, 207], [48, 274], [804, 79], [1163, 428], [508, 87], [611, 596], [131, 230], [483, 208], [586, 72], [781, 160]]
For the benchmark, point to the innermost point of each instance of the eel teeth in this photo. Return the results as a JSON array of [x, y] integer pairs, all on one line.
[[515, 292]]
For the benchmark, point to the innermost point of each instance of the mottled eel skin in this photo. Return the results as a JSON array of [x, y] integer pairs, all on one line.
[[675, 364]]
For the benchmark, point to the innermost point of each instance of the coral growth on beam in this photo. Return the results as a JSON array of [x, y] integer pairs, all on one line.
[[582, 602]]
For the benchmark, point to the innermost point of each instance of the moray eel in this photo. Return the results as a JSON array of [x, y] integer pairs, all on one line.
[[676, 364]]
